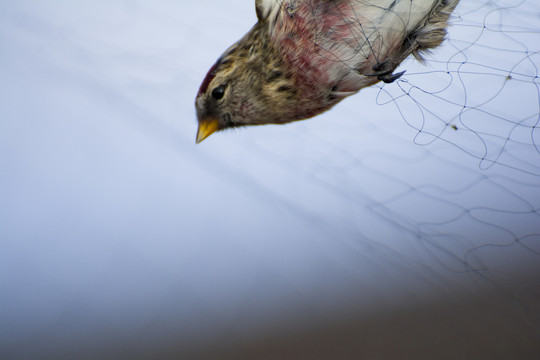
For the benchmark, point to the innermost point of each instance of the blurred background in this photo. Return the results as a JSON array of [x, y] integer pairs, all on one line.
[[404, 223]]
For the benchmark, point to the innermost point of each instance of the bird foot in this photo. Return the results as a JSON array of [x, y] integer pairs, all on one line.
[[390, 78], [385, 72]]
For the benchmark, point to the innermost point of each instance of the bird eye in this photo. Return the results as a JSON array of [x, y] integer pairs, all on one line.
[[218, 92]]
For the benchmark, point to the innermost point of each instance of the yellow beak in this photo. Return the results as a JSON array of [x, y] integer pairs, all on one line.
[[206, 128]]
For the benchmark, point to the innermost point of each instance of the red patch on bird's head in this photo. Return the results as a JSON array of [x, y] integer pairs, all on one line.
[[208, 79]]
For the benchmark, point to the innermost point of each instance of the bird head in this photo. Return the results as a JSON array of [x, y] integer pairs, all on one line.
[[248, 85], [252, 83]]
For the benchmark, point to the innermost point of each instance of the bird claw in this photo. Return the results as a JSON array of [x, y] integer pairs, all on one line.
[[385, 72], [387, 77], [390, 78]]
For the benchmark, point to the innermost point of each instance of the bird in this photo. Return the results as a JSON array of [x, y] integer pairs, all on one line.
[[302, 57]]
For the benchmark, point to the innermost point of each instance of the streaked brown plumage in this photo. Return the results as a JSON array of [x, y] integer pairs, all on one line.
[[304, 56]]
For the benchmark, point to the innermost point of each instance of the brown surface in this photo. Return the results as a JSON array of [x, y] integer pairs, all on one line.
[[477, 328]]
